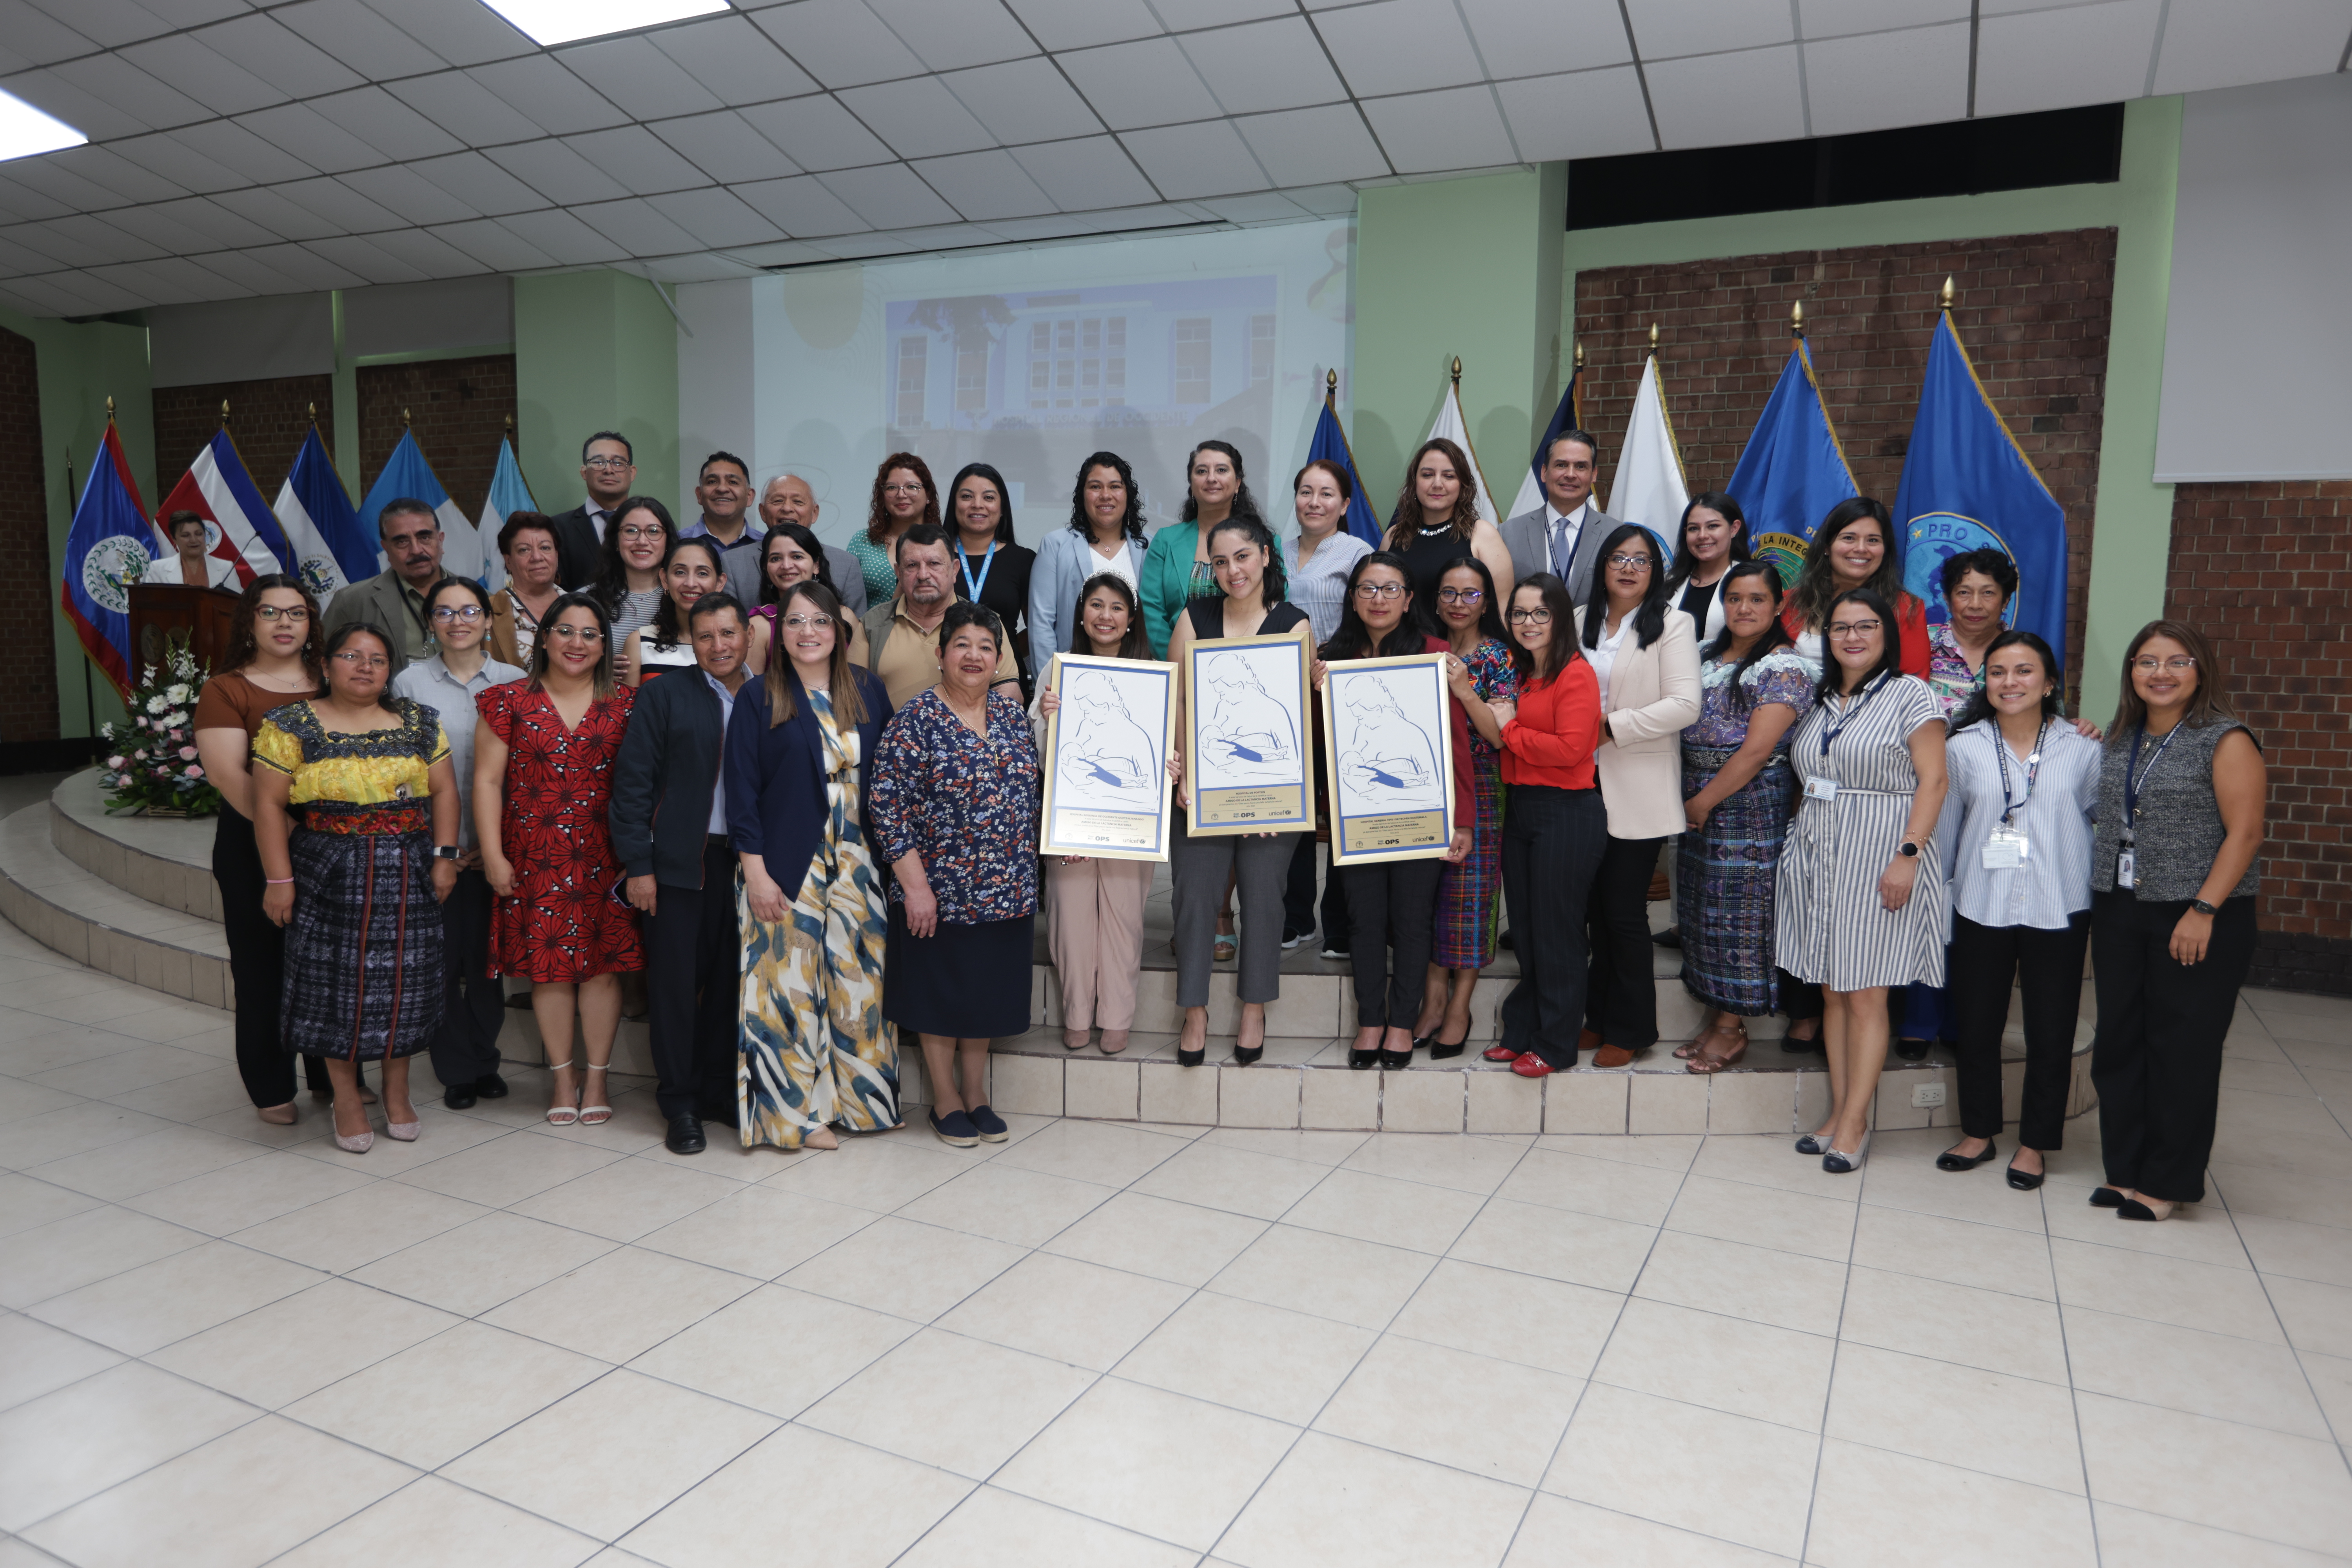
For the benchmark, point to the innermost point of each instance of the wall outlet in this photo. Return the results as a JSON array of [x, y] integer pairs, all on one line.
[[1926, 1096]]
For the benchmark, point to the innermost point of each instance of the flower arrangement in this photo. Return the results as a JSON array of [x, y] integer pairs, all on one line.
[[151, 763]]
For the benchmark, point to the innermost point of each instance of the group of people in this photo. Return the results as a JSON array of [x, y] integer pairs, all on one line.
[[796, 785]]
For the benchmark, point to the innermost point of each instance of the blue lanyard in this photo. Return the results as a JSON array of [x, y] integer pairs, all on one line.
[[1832, 731], [2135, 777], [964, 562], [2009, 808]]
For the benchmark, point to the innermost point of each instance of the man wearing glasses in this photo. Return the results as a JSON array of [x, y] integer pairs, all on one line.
[[392, 601], [608, 466]]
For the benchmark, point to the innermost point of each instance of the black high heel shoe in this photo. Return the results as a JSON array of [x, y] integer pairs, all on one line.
[[1185, 1058], [1952, 1160], [1243, 1056], [1396, 1061], [1440, 1050], [1358, 1060], [2106, 1198]]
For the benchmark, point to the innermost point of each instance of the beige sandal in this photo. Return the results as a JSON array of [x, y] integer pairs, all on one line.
[[598, 1114], [562, 1115], [1706, 1063]]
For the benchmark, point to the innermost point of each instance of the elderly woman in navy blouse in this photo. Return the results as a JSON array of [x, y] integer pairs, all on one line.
[[955, 810]]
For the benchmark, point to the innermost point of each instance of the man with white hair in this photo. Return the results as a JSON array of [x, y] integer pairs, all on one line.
[[787, 499]]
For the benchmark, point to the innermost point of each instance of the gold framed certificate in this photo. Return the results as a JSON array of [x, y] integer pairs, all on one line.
[[1249, 743], [1389, 759], [1107, 794]]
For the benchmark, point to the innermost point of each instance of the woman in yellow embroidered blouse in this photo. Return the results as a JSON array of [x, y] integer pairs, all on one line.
[[367, 775]]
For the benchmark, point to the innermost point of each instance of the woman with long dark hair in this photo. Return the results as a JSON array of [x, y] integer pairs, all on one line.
[[1855, 547], [628, 585], [664, 646], [1316, 564], [903, 495], [1105, 534], [991, 568], [1711, 539], [790, 555], [1437, 519], [1176, 568]]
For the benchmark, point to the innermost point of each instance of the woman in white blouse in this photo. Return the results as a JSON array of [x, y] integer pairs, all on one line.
[[1646, 655], [2016, 834], [1713, 536]]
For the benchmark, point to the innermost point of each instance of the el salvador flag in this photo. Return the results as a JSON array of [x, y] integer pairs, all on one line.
[[331, 550], [1330, 443], [1792, 471], [1965, 486], [408, 477], [110, 530], [509, 495]]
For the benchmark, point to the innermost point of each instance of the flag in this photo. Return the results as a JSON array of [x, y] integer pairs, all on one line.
[[1965, 486], [1649, 488], [245, 532], [1792, 471], [510, 495], [1450, 426], [110, 534], [1564, 418], [406, 476], [331, 549], [1330, 443]]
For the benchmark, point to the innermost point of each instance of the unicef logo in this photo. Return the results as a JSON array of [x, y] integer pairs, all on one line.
[[108, 571], [1934, 537]]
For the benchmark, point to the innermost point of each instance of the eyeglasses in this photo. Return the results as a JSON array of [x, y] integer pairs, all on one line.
[[1854, 628], [806, 623], [1627, 563], [1378, 590], [575, 634], [294, 613], [458, 611], [1530, 617], [2178, 664], [633, 532], [352, 659], [608, 465], [902, 490], [1462, 595]]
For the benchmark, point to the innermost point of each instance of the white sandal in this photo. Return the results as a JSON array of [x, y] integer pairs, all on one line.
[[561, 1115], [598, 1114]]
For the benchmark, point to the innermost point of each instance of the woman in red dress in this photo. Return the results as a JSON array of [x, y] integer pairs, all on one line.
[[542, 784]]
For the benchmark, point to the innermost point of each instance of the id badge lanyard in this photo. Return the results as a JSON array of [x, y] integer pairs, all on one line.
[[1820, 786], [988, 565], [2006, 845], [2134, 779]]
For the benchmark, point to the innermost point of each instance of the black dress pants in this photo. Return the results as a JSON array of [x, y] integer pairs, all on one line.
[[2047, 965], [1298, 907], [2157, 1059], [1553, 840], [474, 1009], [1391, 906], [1620, 988], [694, 981], [257, 964]]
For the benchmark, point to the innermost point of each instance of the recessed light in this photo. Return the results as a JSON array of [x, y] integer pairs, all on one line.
[[25, 131], [549, 22]]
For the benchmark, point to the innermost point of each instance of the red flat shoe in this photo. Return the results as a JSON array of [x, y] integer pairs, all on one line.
[[1532, 1066], [1500, 1054]]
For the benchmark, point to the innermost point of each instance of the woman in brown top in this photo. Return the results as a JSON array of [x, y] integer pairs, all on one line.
[[273, 659]]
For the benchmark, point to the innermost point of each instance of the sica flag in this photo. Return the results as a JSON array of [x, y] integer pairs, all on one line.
[[1965, 486], [1792, 471], [331, 549], [1649, 488], [1564, 418], [1450, 426], [509, 495], [1330, 444], [109, 533], [217, 489], [408, 477]]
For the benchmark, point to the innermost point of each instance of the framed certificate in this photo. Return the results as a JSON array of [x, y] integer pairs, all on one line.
[[1107, 794], [1390, 757], [1251, 744]]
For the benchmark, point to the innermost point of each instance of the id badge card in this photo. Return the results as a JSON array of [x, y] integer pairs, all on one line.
[[2124, 868], [1820, 788], [2005, 850]]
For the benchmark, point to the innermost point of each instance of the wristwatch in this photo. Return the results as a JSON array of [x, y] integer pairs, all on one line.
[[1907, 847], [2202, 908], [447, 852]]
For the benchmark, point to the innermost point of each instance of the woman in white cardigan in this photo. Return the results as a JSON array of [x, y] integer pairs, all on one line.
[[1646, 654]]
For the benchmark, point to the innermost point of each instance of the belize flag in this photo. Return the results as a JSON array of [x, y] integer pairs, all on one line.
[[408, 477], [1330, 443], [509, 495], [110, 532], [331, 549], [243, 532], [1792, 471], [1965, 486]]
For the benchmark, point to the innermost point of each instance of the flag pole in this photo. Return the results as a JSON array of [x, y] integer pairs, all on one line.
[[1576, 390], [89, 693], [526, 477]]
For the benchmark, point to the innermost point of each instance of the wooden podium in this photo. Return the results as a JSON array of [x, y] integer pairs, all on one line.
[[161, 610]]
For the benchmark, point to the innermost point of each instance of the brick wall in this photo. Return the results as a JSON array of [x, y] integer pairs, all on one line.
[[2265, 570], [268, 419], [2033, 311], [29, 593], [458, 409]]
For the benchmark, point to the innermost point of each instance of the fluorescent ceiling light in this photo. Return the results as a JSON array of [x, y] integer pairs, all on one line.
[[563, 21], [25, 131]]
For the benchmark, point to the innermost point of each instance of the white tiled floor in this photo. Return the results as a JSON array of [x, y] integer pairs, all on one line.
[[1100, 1345]]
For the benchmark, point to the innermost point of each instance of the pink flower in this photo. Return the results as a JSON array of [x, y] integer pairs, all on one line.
[[138, 756], [195, 772], [115, 763], [187, 753]]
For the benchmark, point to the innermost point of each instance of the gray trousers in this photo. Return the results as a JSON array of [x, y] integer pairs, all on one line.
[[1198, 868]]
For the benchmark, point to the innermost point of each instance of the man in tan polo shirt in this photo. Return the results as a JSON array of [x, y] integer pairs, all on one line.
[[902, 636]]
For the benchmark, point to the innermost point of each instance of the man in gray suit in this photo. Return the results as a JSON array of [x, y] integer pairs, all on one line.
[[787, 499], [1563, 535]]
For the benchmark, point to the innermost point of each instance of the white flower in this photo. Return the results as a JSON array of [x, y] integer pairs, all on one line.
[[156, 704], [178, 694]]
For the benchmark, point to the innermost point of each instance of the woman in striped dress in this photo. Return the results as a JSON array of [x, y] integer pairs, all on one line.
[[1860, 896]]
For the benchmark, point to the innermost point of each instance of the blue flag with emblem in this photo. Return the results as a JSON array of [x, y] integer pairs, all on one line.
[[406, 476], [109, 547], [1330, 443], [1792, 471], [1966, 485]]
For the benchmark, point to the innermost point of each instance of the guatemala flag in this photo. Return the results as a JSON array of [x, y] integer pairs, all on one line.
[[1564, 418], [509, 495], [1965, 486], [244, 531], [1331, 442], [110, 532], [331, 549], [408, 477], [1792, 471]]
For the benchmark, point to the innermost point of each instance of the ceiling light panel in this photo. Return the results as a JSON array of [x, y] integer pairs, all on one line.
[[551, 22]]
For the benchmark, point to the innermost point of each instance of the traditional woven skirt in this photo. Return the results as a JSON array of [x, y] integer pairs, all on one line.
[[1467, 904], [1723, 884], [363, 968]]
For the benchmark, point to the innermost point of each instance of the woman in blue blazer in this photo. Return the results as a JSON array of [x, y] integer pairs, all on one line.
[[1106, 534], [814, 1051]]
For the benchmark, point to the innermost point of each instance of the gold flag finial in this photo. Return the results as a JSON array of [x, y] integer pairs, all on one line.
[[1946, 298], [1654, 339], [510, 427], [1457, 372], [109, 411], [1330, 384], [1579, 356], [404, 419], [314, 414], [224, 413], [1797, 320]]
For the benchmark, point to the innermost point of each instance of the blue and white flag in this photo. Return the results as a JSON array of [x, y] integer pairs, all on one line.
[[1330, 443], [1564, 418], [406, 476], [509, 495], [242, 530], [331, 549], [1966, 485], [1792, 471], [105, 551]]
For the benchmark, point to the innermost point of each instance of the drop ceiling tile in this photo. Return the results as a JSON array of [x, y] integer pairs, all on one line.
[[68, 294], [816, 133], [306, 270], [736, 61], [674, 269], [1074, 23], [126, 177], [62, 183], [300, 131], [409, 194], [17, 259], [1315, 146], [113, 79], [280, 213], [212, 81], [789, 253], [494, 245], [548, 96], [1837, 18], [2219, 43], [715, 218], [800, 207], [638, 159], [947, 38], [1022, 101], [37, 36], [467, 110], [463, 32], [1664, 30], [862, 248], [236, 149], [1583, 114], [263, 46], [18, 205], [377, 117], [1266, 207], [839, 42], [334, 203], [363, 256], [725, 147], [1519, 37], [1264, 66], [631, 72], [88, 112], [109, 24], [196, 13], [1207, 158], [1459, 128], [1150, 82], [78, 241], [29, 298], [917, 117], [1090, 172], [191, 224], [169, 281], [2054, 59], [1878, 80], [1184, 15], [359, 37], [557, 172], [1401, 46], [427, 254], [169, 157], [984, 185], [1325, 201], [1055, 225], [239, 267], [479, 184], [888, 195], [1718, 101], [943, 236]]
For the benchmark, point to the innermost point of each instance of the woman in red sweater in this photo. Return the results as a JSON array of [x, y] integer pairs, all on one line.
[[1854, 548], [1554, 827]]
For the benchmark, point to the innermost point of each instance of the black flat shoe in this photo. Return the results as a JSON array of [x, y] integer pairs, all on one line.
[[1243, 1056], [1360, 1060], [1670, 937], [1440, 1051], [1952, 1160], [458, 1097], [2132, 1208], [2106, 1198], [1795, 1047], [490, 1086], [1912, 1051], [1396, 1061], [685, 1135], [2023, 1181]]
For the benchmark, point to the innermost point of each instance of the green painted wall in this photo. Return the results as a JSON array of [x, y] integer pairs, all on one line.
[[593, 351]]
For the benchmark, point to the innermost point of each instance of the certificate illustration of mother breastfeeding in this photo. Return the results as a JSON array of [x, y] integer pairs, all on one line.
[[1107, 785], [1391, 759], [1252, 743]]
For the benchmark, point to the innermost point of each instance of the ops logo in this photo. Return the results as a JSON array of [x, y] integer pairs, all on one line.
[[1934, 537]]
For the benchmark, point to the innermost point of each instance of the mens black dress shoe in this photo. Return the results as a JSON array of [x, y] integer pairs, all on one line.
[[461, 1096], [490, 1086], [685, 1136]]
